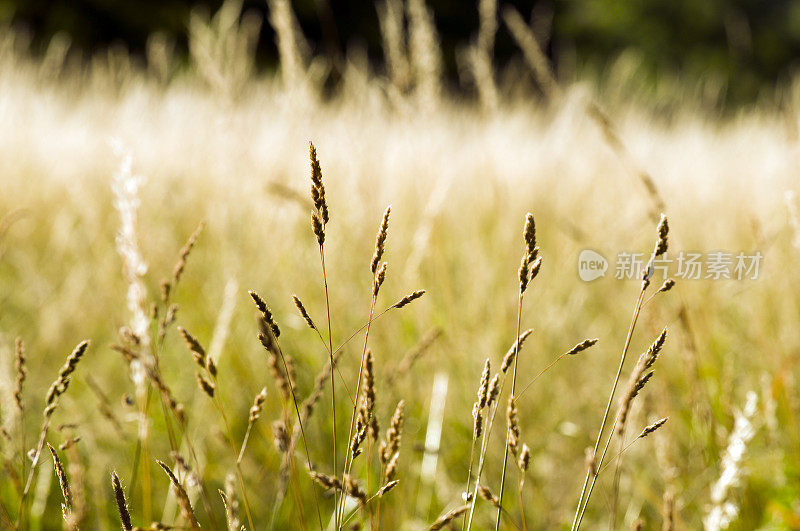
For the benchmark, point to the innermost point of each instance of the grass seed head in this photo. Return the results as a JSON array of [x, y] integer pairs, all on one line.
[[508, 359], [580, 347], [303, 312], [380, 241], [122, 505], [408, 299]]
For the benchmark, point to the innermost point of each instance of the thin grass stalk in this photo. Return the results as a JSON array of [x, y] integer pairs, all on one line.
[[513, 385], [218, 403], [581, 503], [358, 389], [484, 446], [299, 422], [333, 364]]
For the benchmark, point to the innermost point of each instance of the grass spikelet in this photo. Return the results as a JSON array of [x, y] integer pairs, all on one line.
[[380, 241], [326, 481], [21, 370], [508, 359], [483, 386], [448, 517], [369, 397], [663, 232], [486, 493], [524, 460], [666, 286], [354, 489], [61, 384], [580, 347], [494, 390], [627, 398], [529, 234], [392, 443], [122, 505], [63, 482], [408, 299], [512, 418], [391, 467], [198, 352], [58, 388], [258, 402], [653, 351], [303, 312], [266, 313], [184, 254], [317, 188], [652, 427], [477, 416], [387, 487], [206, 386], [318, 228], [380, 276], [231, 504], [281, 436], [183, 499]]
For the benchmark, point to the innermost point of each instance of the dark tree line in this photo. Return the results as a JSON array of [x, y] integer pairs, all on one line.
[[749, 44]]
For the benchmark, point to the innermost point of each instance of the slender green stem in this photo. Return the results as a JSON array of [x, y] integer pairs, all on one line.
[[482, 458], [617, 474], [576, 522], [469, 477], [218, 403], [333, 364], [348, 461], [302, 429], [508, 428]]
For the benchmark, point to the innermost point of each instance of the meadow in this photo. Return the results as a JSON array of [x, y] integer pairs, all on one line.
[[109, 166]]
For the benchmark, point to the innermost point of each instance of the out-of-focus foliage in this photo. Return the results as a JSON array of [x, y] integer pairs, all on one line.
[[738, 46]]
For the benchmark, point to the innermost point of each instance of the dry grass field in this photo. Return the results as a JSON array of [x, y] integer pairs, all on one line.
[[108, 167]]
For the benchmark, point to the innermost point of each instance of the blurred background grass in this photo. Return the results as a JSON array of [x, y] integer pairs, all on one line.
[[220, 140]]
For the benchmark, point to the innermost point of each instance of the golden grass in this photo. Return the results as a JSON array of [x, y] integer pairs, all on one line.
[[461, 176]]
